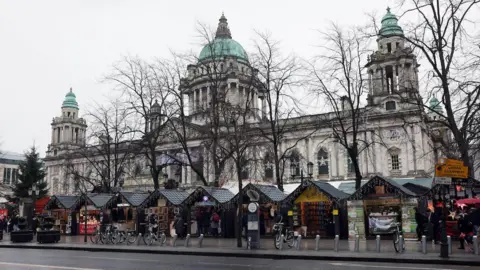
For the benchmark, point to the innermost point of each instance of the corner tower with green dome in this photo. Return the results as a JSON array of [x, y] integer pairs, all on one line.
[[392, 69], [221, 76], [68, 130]]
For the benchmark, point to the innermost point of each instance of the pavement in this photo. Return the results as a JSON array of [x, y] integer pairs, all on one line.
[[220, 247], [13, 259]]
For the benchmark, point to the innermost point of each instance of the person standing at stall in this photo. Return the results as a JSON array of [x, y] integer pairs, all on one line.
[[421, 220], [214, 223]]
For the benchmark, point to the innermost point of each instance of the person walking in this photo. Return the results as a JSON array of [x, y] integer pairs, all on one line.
[[421, 221], [214, 223]]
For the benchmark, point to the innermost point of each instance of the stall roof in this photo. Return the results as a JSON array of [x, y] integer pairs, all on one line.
[[135, 199], [425, 182], [62, 202], [173, 196], [220, 195], [268, 193], [396, 188], [347, 187], [333, 193], [101, 200], [417, 189]]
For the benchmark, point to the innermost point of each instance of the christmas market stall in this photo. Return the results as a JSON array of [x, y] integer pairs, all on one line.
[[63, 209], [124, 209], [270, 200], [202, 203], [165, 204], [317, 208], [97, 205], [377, 206]]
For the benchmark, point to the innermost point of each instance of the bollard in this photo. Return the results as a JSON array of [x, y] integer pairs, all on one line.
[[249, 242], [174, 240], [163, 239], [475, 245], [401, 244], [200, 240], [357, 243], [449, 242], [317, 242], [281, 241], [335, 247], [187, 240], [377, 247], [138, 238], [424, 244], [299, 241]]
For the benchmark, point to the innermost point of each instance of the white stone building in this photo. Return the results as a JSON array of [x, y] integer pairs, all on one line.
[[400, 141]]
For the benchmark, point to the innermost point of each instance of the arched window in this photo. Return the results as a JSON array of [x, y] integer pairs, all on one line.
[[390, 106], [350, 167], [269, 165], [245, 174], [322, 162], [295, 159], [55, 186]]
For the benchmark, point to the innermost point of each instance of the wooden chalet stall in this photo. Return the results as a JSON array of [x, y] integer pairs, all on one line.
[[64, 210], [270, 201], [318, 208], [201, 203], [378, 205], [165, 203], [124, 209], [98, 204]]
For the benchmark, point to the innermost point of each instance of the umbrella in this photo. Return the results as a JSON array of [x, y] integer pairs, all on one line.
[[469, 201]]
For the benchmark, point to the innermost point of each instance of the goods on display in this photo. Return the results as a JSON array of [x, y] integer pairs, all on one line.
[[356, 221]]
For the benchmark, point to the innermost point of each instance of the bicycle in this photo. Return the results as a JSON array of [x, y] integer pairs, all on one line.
[[149, 237], [289, 236], [396, 238], [132, 237]]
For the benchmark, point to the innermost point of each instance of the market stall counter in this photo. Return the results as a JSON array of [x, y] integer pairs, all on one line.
[[378, 206]]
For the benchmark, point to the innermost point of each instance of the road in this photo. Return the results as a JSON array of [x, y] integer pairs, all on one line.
[[23, 259]]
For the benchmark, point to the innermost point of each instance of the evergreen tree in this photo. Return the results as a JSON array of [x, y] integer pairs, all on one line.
[[31, 171]]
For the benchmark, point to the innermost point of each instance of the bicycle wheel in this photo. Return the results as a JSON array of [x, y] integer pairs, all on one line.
[[94, 237], [163, 239], [278, 240], [396, 241], [290, 240], [148, 238], [131, 238]]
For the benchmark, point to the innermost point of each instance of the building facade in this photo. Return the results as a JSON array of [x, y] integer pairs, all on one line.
[[398, 142]]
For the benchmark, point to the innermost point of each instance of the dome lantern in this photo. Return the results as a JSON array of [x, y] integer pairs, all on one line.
[[70, 100], [390, 26]]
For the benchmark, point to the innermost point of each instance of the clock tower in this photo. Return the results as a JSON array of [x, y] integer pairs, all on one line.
[[392, 69]]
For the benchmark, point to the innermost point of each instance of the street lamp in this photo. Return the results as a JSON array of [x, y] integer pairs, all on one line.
[[310, 169], [33, 193], [293, 170]]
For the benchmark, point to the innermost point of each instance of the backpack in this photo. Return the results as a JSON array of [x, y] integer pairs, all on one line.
[[216, 218]]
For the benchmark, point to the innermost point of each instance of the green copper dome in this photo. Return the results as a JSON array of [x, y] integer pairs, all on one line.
[[435, 105], [390, 26], [70, 100], [223, 45]]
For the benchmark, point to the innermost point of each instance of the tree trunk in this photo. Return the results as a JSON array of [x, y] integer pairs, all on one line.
[[277, 167], [155, 176], [239, 207]]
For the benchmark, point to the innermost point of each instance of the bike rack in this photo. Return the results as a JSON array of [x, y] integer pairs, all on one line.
[[249, 242], [138, 239], [336, 242], [449, 243], [187, 240], [377, 247], [317, 242], [282, 237], [299, 241], [200, 240], [174, 240], [163, 238], [475, 245], [357, 243], [424, 244], [401, 243]]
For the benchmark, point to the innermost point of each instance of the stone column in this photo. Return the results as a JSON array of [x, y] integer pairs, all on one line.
[[195, 101], [53, 135], [374, 152], [394, 78], [384, 79], [209, 97], [264, 107], [370, 89]]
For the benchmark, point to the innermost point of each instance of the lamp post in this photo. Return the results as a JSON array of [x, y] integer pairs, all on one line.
[[443, 219], [33, 193], [293, 170]]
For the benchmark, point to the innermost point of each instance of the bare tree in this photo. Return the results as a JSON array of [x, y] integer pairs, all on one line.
[[342, 84], [145, 90], [110, 146], [442, 39], [279, 77]]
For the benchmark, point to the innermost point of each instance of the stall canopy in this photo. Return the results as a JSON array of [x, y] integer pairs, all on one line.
[[381, 187], [40, 204], [134, 199], [333, 194], [67, 202], [173, 197], [268, 193], [101, 200], [220, 196], [347, 187]]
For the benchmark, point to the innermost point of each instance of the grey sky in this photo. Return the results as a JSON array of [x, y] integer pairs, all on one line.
[[49, 46]]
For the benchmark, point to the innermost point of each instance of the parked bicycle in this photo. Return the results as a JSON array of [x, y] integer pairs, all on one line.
[[289, 236], [153, 234], [396, 238]]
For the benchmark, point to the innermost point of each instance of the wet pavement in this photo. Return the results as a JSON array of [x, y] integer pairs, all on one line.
[[15, 259]]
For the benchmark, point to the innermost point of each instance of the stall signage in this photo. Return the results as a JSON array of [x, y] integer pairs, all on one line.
[[451, 170], [335, 212], [442, 181]]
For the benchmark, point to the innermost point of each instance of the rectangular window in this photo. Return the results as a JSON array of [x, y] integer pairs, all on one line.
[[389, 47], [395, 163], [7, 178], [4, 175], [14, 176]]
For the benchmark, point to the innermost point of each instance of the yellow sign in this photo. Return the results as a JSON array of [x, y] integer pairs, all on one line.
[[335, 212], [290, 213], [312, 194], [453, 171], [447, 161]]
